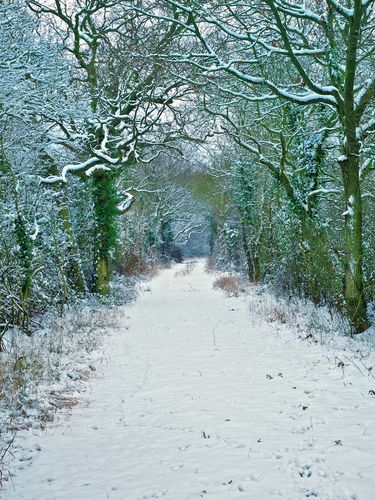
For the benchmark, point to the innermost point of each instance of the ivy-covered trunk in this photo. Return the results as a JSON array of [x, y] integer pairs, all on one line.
[[353, 280], [350, 168], [245, 204], [250, 251], [25, 252], [106, 213], [308, 228], [74, 270]]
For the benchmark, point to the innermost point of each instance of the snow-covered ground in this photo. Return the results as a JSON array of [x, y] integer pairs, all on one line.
[[198, 400]]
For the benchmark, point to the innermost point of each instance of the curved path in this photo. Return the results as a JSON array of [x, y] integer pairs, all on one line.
[[197, 401]]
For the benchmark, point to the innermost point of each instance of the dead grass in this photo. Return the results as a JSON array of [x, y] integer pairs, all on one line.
[[187, 269], [232, 285], [5, 453], [42, 374], [211, 264], [305, 319], [134, 266], [272, 310]]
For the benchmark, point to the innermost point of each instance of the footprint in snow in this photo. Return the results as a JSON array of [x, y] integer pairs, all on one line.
[[302, 429], [183, 448], [177, 467], [159, 494], [311, 493], [305, 471]]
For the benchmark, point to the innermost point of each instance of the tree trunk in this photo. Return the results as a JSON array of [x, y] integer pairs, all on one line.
[[102, 275], [307, 228], [74, 271], [252, 260], [25, 245], [353, 281], [106, 229]]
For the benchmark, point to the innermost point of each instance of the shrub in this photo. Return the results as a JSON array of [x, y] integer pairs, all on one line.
[[231, 285]]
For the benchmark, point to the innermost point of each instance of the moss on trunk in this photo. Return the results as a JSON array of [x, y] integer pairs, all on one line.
[[353, 279], [106, 213]]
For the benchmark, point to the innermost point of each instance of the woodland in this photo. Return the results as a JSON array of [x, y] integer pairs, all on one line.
[[146, 148]]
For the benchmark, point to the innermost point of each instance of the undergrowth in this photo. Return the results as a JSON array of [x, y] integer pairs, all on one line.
[[47, 371], [305, 319], [232, 285]]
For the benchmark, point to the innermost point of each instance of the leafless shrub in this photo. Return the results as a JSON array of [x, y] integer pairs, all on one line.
[[324, 324], [307, 320], [134, 266], [211, 264], [272, 310], [233, 286], [187, 269], [5, 452]]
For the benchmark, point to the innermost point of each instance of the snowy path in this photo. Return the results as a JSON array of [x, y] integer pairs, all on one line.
[[175, 416]]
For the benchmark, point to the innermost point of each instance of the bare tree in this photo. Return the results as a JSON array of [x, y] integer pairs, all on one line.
[[311, 54], [129, 95]]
